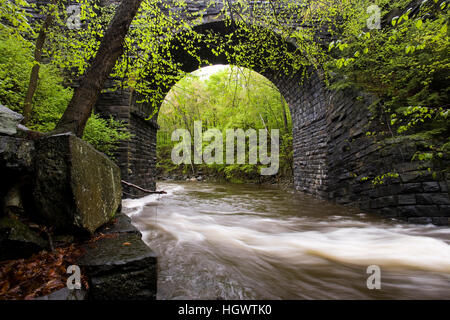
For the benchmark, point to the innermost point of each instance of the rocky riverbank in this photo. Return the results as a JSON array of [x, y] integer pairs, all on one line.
[[57, 193]]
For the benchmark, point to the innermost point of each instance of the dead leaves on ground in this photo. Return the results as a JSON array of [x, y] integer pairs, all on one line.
[[41, 274]]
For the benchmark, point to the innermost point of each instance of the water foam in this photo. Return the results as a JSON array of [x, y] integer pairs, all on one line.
[[360, 244], [135, 206]]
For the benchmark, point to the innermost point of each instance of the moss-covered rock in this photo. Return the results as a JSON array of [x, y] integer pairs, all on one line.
[[17, 240], [77, 188]]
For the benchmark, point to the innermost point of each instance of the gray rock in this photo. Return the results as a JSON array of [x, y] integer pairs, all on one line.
[[13, 202], [431, 186], [121, 225], [405, 199], [441, 221], [16, 154], [433, 198], [419, 211], [77, 188], [9, 120], [120, 268], [17, 241]]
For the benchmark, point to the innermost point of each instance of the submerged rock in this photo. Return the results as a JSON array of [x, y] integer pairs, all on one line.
[[17, 241], [76, 188], [9, 120]]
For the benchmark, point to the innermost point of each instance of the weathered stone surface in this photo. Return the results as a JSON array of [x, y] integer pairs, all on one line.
[[121, 224], [419, 211], [9, 120], [433, 198], [406, 199], [16, 154], [432, 186], [120, 268], [76, 187], [441, 221], [17, 240]]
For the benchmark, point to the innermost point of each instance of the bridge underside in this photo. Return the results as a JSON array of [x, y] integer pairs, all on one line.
[[332, 154]]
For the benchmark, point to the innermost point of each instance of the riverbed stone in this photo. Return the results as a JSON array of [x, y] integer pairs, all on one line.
[[120, 267], [17, 241], [77, 188], [121, 224], [9, 120]]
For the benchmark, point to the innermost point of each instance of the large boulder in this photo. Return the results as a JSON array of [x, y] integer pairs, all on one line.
[[9, 120], [76, 188]]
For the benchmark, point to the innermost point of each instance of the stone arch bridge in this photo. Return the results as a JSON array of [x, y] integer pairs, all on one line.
[[331, 150]]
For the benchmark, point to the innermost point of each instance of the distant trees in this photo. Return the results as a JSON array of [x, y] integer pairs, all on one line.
[[229, 99]]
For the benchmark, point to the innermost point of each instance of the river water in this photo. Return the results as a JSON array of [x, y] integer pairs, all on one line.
[[217, 241]]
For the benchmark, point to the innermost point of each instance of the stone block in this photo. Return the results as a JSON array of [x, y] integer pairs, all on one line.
[[433, 198], [405, 199], [445, 210], [431, 186], [419, 211], [441, 221], [76, 188], [411, 188], [121, 267], [121, 224]]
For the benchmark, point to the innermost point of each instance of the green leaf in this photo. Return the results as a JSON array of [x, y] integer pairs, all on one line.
[[419, 24]]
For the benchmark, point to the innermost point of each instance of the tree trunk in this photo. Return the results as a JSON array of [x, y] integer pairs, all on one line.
[[34, 76], [111, 48]]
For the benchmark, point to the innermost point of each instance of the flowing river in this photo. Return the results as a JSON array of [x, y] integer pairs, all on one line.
[[217, 241]]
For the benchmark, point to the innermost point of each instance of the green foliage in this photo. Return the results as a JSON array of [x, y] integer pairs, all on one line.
[[14, 19], [406, 65], [104, 134], [228, 99], [51, 97]]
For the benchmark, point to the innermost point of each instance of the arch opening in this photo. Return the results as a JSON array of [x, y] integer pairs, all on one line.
[[222, 114]]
